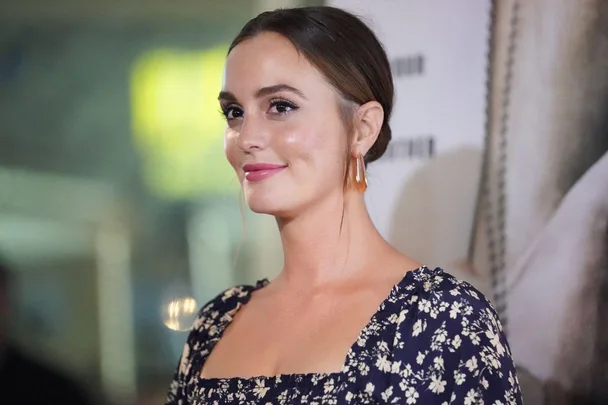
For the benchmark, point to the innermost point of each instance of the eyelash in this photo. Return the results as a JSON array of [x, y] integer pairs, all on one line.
[[286, 103], [225, 110]]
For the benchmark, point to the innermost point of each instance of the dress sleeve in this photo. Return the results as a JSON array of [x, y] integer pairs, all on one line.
[[177, 389], [451, 349], [485, 371]]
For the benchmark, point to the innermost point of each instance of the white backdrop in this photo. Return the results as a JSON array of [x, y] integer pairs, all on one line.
[[425, 204]]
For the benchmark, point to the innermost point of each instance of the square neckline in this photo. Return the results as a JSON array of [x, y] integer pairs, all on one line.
[[227, 318]]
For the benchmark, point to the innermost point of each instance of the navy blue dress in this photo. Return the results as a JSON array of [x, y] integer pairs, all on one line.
[[434, 340]]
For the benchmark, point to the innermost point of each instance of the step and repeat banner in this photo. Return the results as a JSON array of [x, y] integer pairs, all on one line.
[[422, 193], [498, 170]]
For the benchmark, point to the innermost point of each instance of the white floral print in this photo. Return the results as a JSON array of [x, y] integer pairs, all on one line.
[[434, 340]]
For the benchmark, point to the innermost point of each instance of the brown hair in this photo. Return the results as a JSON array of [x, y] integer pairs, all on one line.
[[343, 49]]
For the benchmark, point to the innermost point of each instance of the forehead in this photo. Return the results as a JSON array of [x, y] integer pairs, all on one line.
[[268, 59]]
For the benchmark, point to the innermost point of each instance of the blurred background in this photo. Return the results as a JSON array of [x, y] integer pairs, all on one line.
[[111, 178], [119, 217]]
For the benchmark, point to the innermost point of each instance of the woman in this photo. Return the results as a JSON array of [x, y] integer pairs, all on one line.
[[308, 95]]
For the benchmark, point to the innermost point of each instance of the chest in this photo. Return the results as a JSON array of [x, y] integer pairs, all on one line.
[[289, 339]]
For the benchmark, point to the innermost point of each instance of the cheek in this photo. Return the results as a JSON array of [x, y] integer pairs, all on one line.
[[303, 140], [320, 145], [231, 149]]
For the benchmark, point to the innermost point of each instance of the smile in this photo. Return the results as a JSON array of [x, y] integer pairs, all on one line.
[[261, 171]]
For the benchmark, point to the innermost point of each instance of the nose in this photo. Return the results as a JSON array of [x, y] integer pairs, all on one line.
[[253, 135]]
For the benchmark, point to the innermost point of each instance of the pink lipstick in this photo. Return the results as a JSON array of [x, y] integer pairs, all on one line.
[[261, 171]]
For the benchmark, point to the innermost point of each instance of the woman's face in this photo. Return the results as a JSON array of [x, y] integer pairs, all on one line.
[[285, 138]]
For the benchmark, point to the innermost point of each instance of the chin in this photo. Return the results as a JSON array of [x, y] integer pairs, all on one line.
[[263, 205], [274, 206]]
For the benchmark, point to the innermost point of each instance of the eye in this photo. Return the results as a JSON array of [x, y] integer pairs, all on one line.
[[232, 112], [281, 106]]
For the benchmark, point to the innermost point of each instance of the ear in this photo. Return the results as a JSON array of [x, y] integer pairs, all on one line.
[[367, 125]]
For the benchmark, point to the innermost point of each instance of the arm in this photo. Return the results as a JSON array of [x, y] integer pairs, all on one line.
[[485, 372], [177, 389], [204, 329]]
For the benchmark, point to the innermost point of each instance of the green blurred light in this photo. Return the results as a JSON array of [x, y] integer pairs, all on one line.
[[176, 123]]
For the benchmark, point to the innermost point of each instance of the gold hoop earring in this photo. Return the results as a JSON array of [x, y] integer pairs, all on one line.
[[360, 177]]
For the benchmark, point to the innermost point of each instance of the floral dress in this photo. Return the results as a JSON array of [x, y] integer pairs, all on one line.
[[434, 340]]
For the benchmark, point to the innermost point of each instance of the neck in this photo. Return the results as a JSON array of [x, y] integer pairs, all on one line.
[[336, 238]]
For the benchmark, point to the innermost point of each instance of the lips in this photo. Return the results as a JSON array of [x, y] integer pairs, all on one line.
[[261, 171]]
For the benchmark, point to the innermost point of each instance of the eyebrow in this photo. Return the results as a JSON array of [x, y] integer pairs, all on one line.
[[263, 92]]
